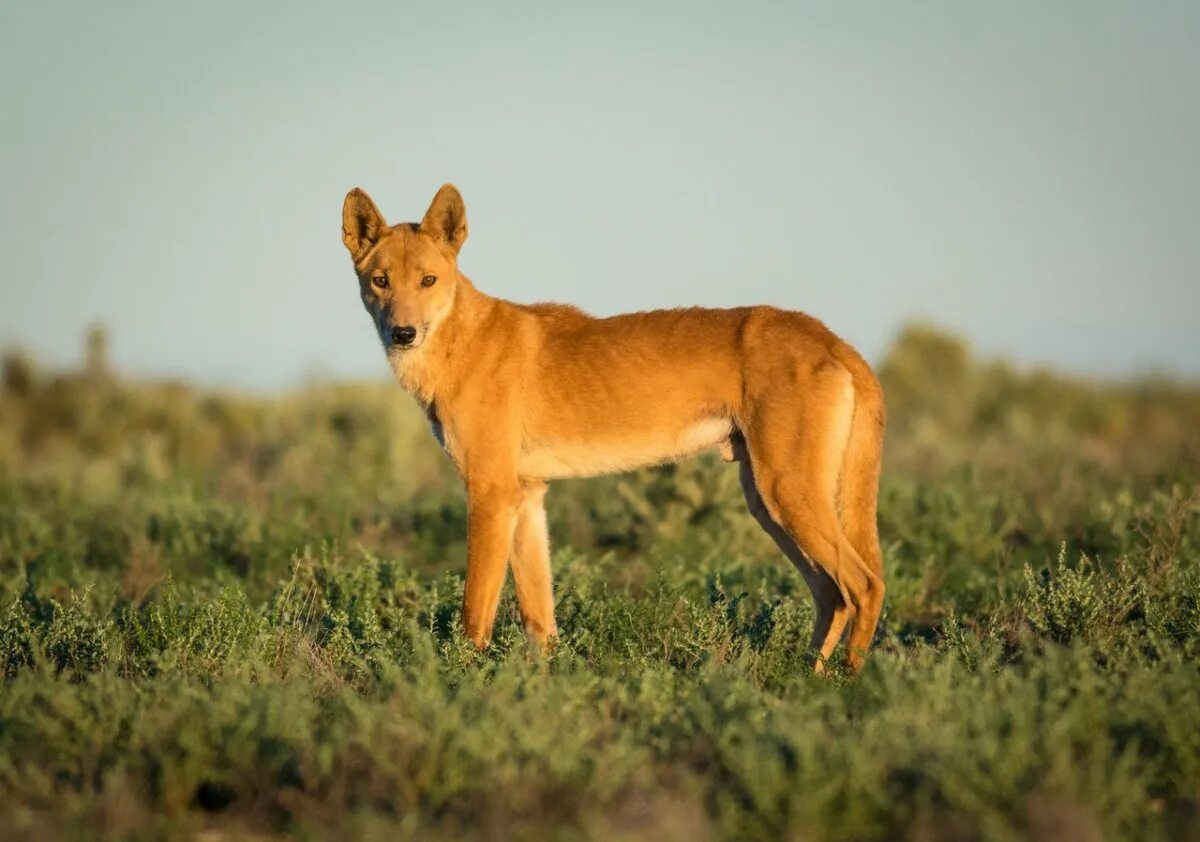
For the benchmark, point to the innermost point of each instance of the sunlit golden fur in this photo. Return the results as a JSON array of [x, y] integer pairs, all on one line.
[[522, 394]]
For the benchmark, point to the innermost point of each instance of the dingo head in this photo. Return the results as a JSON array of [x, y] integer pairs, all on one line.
[[407, 274]]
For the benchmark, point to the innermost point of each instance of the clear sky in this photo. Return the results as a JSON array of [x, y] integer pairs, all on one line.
[[1026, 173]]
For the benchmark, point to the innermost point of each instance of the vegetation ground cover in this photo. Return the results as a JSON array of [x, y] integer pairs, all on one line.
[[237, 616]]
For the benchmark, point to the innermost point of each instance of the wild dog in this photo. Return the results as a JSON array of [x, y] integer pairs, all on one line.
[[522, 394]]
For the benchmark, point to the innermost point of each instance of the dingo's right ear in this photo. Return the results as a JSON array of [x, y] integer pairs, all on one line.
[[362, 224]]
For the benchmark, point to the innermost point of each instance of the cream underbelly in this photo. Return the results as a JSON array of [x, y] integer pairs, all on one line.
[[559, 460]]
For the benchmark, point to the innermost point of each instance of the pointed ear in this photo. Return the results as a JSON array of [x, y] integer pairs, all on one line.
[[362, 224], [446, 219]]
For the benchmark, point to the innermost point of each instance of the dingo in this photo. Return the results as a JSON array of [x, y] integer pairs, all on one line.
[[521, 394]]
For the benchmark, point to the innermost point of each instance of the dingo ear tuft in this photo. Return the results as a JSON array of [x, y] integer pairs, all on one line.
[[446, 219], [362, 224]]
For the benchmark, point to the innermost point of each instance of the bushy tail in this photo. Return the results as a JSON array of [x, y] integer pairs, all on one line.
[[858, 483]]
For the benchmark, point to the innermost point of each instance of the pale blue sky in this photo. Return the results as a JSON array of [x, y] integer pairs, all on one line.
[[1025, 173]]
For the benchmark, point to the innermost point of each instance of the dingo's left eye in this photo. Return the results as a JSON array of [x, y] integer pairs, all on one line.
[[428, 281], [380, 281]]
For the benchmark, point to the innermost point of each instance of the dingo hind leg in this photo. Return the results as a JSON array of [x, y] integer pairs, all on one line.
[[797, 443], [830, 609]]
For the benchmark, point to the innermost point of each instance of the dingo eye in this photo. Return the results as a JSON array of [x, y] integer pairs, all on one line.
[[428, 281], [380, 281]]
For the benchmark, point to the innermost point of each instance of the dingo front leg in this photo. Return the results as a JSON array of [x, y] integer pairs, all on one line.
[[491, 517], [531, 566]]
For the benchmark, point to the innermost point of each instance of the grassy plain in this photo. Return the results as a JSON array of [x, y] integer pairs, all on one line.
[[229, 616]]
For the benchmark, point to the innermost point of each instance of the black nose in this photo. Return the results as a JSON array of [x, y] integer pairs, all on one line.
[[403, 335]]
